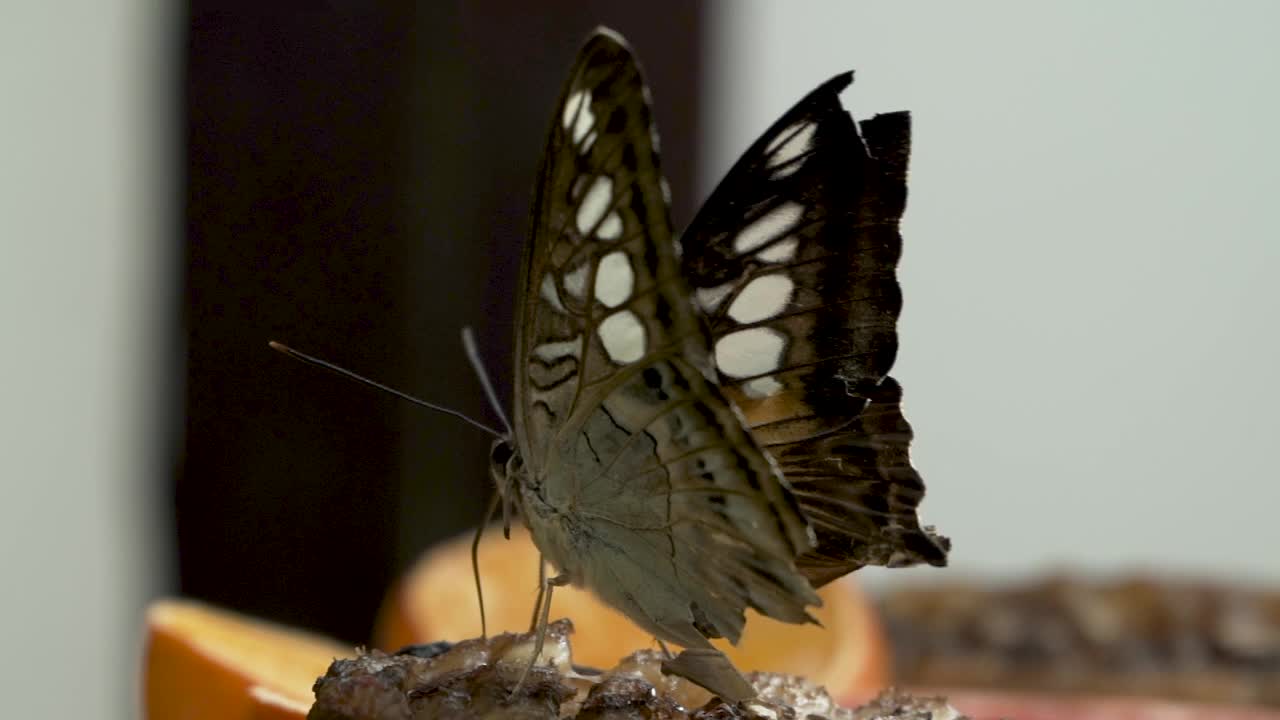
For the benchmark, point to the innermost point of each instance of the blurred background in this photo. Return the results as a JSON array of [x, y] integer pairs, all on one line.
[[1088, 345]]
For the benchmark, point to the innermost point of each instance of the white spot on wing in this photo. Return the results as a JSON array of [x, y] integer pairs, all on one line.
[[761, 387], [548, 292], [754, 351], [611, 228], [573, 105], [762, 298], [594, 204], [614, 279], [780, 252], [576, 281], [778, 221], [558, 349], [710, 298], [622, 336], [792, 143], [783, 171], [578, 118]]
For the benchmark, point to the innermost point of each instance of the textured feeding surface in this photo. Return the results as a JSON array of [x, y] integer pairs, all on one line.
[[475, 678]]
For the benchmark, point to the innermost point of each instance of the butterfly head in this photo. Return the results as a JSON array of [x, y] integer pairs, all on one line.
[[505, 464], [506, 467]]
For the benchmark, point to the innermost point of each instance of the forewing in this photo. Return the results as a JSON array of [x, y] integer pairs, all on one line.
[[641, 477], [793, 260]]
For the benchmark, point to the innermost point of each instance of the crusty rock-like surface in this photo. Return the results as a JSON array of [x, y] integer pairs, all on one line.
[[475, 679]]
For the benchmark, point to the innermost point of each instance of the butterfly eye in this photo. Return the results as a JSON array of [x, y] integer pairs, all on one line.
[[500, 454]]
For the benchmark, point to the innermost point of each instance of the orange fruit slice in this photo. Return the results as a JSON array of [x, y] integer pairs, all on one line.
[[436, 600], [205, 663]]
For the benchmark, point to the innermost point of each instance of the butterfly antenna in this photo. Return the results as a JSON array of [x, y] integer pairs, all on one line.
[[311, 360], [473, 354]]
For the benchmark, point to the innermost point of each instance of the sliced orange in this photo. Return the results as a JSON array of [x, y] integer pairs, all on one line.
[[205, 663], [271, 705], [436, 600]]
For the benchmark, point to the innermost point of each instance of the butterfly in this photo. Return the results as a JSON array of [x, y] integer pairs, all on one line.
[[705, 424]]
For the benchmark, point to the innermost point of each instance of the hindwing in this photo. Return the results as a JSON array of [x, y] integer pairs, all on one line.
[[640, 479], [792, 261]]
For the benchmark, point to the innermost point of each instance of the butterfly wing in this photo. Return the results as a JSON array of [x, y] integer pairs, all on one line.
[[640, 479], [792, 260]]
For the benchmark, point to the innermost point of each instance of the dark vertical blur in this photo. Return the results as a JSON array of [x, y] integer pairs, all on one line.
[[358, 181]]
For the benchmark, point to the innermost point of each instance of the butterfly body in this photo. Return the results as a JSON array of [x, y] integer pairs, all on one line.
[[650, 542], [706, 425]]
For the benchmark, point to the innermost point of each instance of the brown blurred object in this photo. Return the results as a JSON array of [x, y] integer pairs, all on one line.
[[1136, 636], [1046, 706]]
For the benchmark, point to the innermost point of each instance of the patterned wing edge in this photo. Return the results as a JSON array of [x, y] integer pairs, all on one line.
[[864, 472], [829, 415]]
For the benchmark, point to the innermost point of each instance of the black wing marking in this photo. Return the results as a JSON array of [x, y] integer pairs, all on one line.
[[806, 226]]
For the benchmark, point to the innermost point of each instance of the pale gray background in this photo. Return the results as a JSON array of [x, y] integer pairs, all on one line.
[[1089, 347], [85, 287]]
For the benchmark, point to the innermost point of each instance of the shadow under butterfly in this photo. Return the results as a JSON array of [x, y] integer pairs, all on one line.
[[706, 424]]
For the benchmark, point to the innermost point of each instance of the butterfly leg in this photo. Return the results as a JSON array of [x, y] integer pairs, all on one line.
[[542, 591], [665, 650], [475, 560], [544, 606]]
